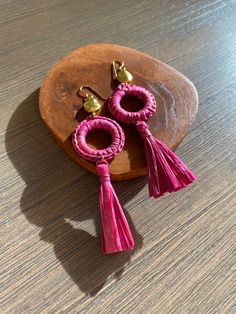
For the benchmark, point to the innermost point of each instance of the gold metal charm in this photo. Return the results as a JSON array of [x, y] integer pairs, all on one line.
[[91, 104], [122, 75]]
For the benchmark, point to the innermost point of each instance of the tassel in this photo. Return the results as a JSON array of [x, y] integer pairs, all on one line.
[[166, 172], [115, 232]]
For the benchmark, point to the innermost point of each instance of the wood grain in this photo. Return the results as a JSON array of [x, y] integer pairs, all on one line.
[[61, 105], [184, 261]]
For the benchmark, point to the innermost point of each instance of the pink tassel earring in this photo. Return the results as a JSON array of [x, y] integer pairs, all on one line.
[[115, 232], [166, 172]]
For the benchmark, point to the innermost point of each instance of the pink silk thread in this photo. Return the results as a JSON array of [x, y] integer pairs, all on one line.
[[115, 232], [166, 172]]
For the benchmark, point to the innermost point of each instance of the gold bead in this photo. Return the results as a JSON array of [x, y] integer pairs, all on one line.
[[91, 105], [124, 76]]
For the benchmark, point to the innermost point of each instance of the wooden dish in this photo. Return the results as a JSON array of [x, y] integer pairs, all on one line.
[[61, 106]]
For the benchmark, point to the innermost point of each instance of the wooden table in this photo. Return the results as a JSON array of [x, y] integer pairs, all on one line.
[[185, 252]]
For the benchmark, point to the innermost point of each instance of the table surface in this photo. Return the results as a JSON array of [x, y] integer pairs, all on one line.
[[185, 242]]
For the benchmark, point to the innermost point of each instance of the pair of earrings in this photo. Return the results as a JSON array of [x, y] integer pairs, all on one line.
[[166, 172]]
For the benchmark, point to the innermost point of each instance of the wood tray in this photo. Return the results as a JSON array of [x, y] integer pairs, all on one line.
[[61, 106]]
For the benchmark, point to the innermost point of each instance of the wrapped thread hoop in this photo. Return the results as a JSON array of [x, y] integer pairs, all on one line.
[[98, 122], [121, 114]]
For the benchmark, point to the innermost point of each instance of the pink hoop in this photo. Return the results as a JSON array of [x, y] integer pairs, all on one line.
[[114, 104], [88, 153]]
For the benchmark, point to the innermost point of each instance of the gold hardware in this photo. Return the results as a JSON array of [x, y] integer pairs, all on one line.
[[91, 104], [122, 75]]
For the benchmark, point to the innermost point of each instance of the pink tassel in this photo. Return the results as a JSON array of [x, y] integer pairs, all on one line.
[[115, 231], [166, 172]]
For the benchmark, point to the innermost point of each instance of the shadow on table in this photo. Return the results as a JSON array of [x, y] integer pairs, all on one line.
[[56, 202]]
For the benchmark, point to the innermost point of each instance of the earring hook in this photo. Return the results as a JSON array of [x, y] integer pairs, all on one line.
[[92, 91], [120, 64]]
